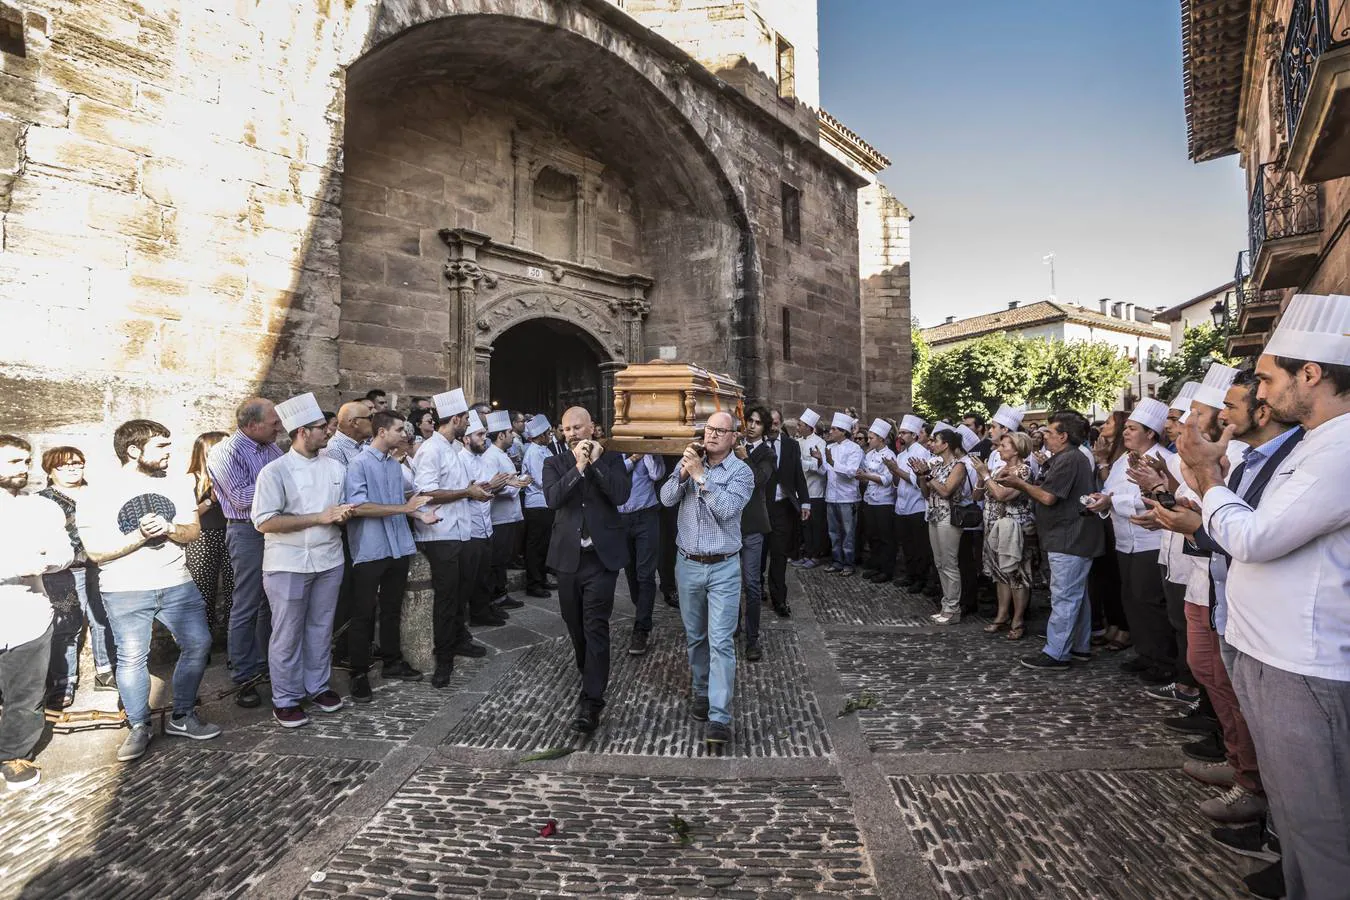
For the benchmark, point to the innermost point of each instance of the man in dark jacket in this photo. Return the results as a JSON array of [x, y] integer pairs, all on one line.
[[789, 504], [585, 486], [755, 451]]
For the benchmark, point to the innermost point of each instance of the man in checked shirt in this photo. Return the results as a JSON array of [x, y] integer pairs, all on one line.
[[710, 488]]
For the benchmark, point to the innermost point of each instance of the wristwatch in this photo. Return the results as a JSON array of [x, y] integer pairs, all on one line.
[[701, 480]]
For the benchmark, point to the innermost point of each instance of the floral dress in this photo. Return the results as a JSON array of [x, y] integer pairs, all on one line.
[[940, 507], [1000, 517]]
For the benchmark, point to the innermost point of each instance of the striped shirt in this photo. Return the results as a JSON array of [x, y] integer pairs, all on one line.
[[234, 465], [342, 448]]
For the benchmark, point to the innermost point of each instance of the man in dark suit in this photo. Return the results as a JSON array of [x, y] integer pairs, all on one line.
[[789, 503], [585, 486]]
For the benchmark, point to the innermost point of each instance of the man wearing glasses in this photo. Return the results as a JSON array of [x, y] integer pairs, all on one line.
[[711, 487], [297, 505]]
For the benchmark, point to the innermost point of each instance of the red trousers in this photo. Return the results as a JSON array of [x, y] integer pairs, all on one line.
[[1202, 655]]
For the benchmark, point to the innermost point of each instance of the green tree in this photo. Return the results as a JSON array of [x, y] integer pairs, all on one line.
[[1078, 374], [1201, 345], [979, 375], [922, 358]]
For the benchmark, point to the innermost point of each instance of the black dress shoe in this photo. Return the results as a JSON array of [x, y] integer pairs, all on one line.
[[784, 611], [880, 578], [538, 593], [587, 720], [717, 733], [1209, 749], [1267, 882], [1156, 675], [1136, 665], [488, 620], [638, 646], [361, 688], [1194, 723], [400, 670], [248, 697], [672, 600], [698, 710], [469, 649], [441, 677], [753, 653], [508, 602]]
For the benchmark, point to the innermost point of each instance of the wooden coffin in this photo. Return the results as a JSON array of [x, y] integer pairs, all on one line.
[[660, 407]]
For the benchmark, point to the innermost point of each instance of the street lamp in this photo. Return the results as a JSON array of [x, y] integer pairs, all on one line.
[[1219, 313]]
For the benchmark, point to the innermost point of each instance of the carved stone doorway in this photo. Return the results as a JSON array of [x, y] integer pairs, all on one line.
[[547, 365]]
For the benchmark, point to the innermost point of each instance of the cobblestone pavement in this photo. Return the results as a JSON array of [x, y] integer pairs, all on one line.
[[874, 755]]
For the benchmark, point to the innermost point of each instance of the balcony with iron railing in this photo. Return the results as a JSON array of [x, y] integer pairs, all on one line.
[[1315, 75], [1254, 311], [1285, 228]]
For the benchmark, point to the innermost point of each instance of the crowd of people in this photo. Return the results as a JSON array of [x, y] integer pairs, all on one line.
[[1211, 537]]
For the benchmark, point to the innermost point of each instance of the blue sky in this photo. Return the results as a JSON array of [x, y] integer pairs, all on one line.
[[1020, 127]]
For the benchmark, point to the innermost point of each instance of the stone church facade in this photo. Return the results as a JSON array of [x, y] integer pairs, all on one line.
[[204, 201]]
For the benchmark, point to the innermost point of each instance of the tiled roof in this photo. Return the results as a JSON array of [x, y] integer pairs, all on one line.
[[1213, 54], [1044, 312], [1173, 314]]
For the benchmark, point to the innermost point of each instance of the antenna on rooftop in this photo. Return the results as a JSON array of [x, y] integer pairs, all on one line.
[[1049, 260]]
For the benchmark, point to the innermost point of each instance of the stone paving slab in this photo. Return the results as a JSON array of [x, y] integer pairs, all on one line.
[[1133, 835], [774, 712], [854, 601], [398, 711], [180, 823], [960, 691], [453, 831]]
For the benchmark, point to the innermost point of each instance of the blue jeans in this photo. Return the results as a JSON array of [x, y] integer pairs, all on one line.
[[130, 616], [1070, 625], [843, 525], [710, 599], [250, 616], [91, 601], [752, 576]]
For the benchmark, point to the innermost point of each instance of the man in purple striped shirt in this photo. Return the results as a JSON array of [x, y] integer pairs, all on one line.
[[234, 465]]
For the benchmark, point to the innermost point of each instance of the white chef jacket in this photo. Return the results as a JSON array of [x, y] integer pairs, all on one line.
[[842, 477], [1126, 501], [879, 494], [535, 456], [1290, 577], [295, 486], [506, 502], [481, 469], [35, 543], [815, 471], [438, 466], [908, 498]]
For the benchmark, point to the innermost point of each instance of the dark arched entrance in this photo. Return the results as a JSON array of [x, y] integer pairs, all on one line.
[[545, 365]]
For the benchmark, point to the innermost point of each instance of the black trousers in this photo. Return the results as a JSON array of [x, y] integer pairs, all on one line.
[[642, 530], [912, 531], [538, 528], [783, 521], [816, 532], [669, 520], [1108, 609], [1175, 595], [342, 613], [478, 577], [1141, 591], [881, 538], [449, 611], [503, 551], [378, 583], [968, 561], [586, 600], [23, 684]]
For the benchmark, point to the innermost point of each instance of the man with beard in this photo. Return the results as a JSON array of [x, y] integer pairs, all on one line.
[[30, 549], [134, 527], [507, 517], [585, 486], [1288, 619], [439, 472], [483, 470], [234, 465], [297, 505]]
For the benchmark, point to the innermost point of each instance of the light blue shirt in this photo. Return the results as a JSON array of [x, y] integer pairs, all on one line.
[[649, 470], [709, 521], [481, 468], [1254, 459], [535, 454], [375, 477]]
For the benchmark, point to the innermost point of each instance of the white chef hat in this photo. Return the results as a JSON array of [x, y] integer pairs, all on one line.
[[881, 428], [1182, 401], [499, 420], [450, 403], [536, 426], [1009, 417], [912, 424], [1215, 387], [475, 423], [943, 426], [968, 438], [1151, 414], [1184, 417], [297, 411], [843, 422], [809, 418], [1315, 328]]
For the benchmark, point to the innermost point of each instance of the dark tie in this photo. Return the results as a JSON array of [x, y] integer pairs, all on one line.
[[1235, 476]]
